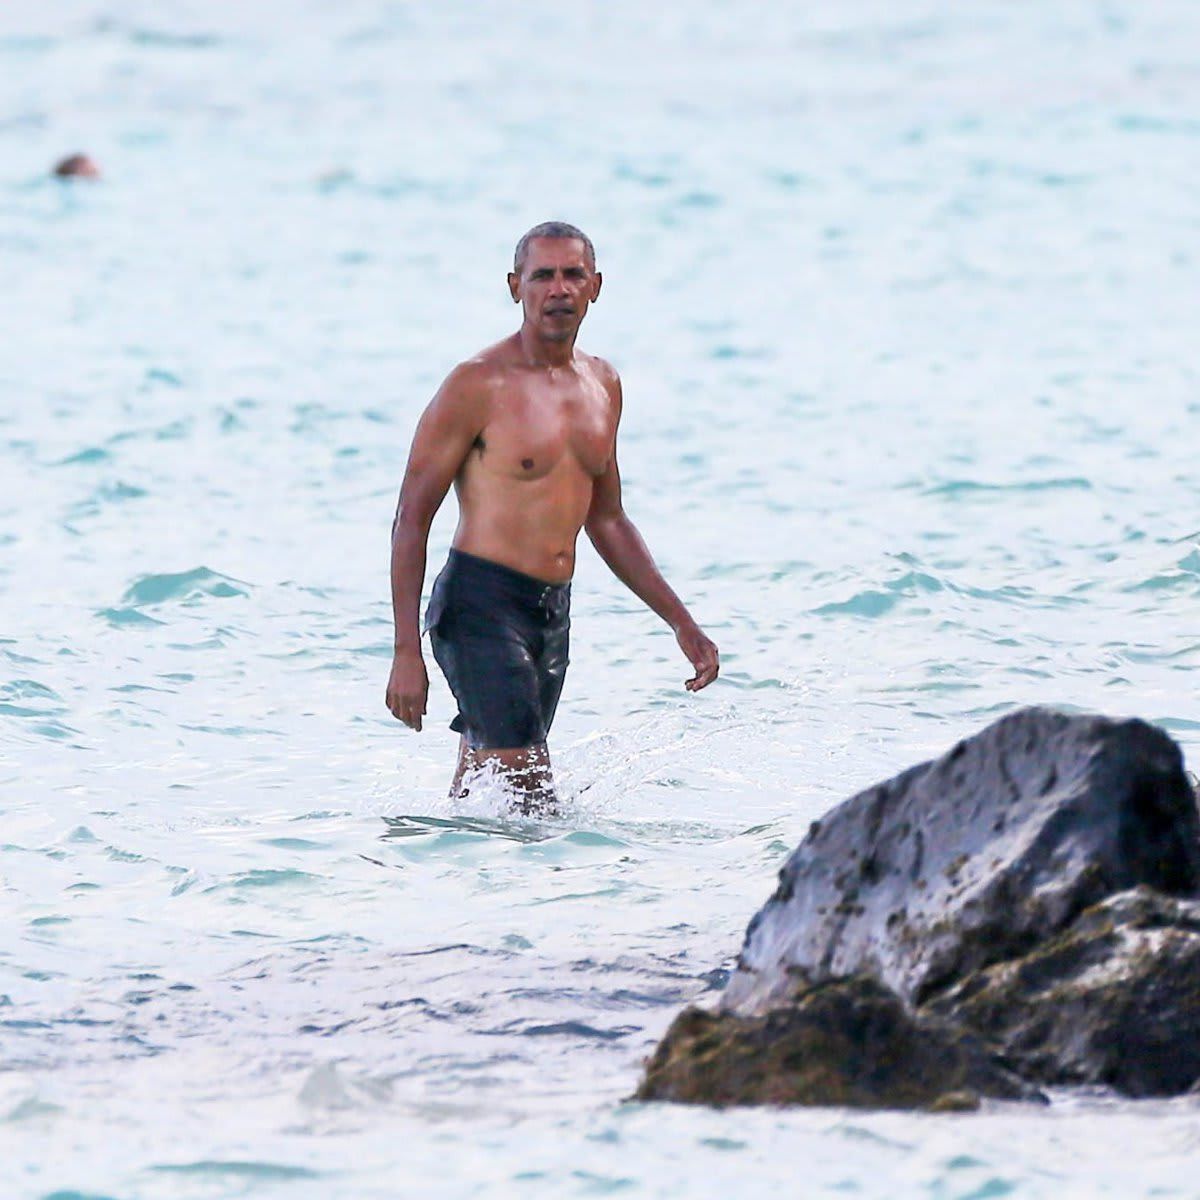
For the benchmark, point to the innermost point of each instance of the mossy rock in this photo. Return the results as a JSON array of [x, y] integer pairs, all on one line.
[[1113, 1000], [848, 1043]]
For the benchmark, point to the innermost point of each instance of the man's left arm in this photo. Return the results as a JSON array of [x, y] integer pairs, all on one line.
[[618, 542]]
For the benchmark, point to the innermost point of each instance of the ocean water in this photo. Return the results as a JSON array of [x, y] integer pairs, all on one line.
[[904, 298]]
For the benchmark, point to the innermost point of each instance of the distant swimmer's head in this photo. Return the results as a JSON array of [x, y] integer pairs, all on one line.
[[77, 166], [554, 279]]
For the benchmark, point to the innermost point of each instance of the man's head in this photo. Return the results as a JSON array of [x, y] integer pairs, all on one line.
[[555, 230], [554, 278]]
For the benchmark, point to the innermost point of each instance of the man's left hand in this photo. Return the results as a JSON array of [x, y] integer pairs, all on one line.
[[701, 652]]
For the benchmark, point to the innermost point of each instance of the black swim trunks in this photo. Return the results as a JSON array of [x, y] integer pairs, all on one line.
[[501, 639]]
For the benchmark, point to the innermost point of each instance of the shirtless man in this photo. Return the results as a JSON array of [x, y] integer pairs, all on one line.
[[526, 431]]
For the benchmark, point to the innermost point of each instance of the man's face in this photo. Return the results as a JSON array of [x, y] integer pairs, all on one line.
[[556, 284]]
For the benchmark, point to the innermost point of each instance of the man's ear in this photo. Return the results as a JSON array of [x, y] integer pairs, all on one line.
[[514, 286], [597, 283]]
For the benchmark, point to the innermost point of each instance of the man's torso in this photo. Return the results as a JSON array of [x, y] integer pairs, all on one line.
[[526, 485]]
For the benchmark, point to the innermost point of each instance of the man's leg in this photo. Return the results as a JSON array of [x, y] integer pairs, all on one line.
[[466, 762], [525, 769]]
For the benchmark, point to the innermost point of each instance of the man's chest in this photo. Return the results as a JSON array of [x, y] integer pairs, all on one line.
[[534, 430]]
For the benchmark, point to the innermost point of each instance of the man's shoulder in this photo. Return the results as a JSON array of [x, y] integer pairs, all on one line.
[[604, 371], [494, 358], [475, 376]]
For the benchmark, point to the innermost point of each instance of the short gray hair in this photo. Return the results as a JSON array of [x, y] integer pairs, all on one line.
[[550, 229]]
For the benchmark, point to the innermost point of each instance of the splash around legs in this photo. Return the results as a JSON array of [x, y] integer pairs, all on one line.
[[524, 771]]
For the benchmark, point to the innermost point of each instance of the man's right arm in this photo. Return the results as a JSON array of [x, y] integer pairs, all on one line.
[[445, 433]]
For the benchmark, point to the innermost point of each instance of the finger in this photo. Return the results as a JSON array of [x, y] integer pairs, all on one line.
[[706, 672]]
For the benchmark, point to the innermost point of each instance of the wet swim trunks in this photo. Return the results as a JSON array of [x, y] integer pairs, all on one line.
[[501, 639]]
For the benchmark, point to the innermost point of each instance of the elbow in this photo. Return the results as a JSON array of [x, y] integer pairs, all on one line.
[[604, 530], [596, 528]]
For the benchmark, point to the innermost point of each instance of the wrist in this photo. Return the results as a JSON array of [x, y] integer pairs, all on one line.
[[682, 623], [404, 649]]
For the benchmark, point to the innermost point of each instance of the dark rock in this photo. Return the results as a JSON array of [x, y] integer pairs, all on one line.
[[850, 1043], [975, 858], [1113, 1000], [1029, 903]]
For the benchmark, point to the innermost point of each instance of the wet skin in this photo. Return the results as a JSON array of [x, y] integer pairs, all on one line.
[[526, 431]]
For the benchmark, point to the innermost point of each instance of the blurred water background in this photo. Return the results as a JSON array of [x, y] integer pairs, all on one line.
[[904, 297]]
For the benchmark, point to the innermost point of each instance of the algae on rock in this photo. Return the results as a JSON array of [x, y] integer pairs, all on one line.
[[850, 1043]]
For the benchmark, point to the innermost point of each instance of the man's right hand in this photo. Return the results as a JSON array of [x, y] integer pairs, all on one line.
[[408, 688]]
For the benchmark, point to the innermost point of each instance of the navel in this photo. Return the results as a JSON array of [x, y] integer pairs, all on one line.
[[527, 463]]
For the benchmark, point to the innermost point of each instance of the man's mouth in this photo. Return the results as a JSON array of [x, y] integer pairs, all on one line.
[[560, 310]]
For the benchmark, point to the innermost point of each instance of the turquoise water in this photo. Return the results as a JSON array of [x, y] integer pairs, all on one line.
[[904, 299]]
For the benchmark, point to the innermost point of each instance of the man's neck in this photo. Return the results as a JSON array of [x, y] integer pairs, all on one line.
[[542, 353]]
